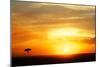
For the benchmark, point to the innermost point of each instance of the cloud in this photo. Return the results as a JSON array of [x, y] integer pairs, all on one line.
[[35, 15]]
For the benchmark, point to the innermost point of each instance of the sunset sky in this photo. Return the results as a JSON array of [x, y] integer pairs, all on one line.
[[52, 29]]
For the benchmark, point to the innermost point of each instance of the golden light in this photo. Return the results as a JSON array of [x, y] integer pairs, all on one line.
[[60, 38], [64, 32], [67, 49], [67, 32], [64, 49]]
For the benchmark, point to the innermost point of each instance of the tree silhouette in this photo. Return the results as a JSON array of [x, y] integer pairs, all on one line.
[[27, 50]]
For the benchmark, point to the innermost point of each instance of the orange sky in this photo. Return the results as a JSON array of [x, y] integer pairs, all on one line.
[[52, 29]]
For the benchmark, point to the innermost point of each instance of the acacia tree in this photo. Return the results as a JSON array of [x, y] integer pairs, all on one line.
[[27, 50]]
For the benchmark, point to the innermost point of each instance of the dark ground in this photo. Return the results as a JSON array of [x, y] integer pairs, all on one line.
[[40, 60]]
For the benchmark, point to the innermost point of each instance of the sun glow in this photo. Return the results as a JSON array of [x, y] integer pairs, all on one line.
[[67, 32], [64, 32], [63, 43], [66, 49]]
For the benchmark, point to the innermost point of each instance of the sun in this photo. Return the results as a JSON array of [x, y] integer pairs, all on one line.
[[67, 49], [64, 48]]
